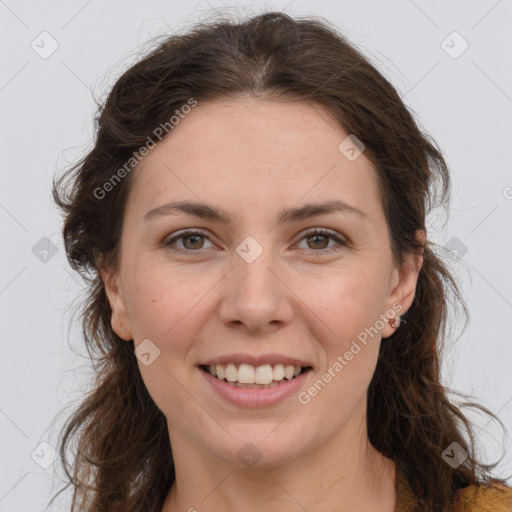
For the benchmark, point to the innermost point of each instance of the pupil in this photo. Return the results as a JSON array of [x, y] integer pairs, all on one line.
[[318, 236], [189, 238]]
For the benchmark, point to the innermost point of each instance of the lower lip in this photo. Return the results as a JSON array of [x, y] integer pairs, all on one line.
[[254, 398]]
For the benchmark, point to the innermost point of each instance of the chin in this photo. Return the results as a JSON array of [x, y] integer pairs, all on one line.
[[251, 449]]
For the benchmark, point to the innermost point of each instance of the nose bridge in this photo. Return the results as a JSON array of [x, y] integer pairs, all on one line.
[[254, 293]]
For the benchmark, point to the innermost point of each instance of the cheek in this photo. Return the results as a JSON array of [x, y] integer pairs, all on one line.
[[350, 301], [165, 311], [163, 301], [350, 305]]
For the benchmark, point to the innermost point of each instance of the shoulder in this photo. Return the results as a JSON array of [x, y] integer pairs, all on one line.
[[484, 497]]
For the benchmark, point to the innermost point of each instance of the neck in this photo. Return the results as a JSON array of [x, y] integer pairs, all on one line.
[[339, 475]]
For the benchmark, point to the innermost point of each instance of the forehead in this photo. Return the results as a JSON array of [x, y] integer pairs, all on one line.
[[252, 153]]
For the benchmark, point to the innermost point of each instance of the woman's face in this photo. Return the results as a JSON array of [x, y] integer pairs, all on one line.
[[250, 287]]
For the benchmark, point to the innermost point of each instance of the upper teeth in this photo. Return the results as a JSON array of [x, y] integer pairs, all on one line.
[[248, 374]]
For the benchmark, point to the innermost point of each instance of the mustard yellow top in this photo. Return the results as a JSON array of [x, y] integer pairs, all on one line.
[[474, 498]]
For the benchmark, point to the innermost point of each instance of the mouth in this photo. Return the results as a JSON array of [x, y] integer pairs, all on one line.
[[249, 376]]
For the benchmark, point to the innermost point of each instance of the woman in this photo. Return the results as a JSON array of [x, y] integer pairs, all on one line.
[[265, 307]]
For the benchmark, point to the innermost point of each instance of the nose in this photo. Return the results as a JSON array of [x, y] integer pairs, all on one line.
[[256, 296]]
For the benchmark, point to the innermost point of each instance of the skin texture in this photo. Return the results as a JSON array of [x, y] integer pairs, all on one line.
[[252, 158]]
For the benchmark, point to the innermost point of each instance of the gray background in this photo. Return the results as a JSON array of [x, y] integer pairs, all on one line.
[[463, 99]]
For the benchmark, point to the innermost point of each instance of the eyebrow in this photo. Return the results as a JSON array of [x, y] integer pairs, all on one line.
[[205, 211]]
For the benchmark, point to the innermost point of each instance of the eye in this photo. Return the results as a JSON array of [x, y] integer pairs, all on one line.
[[318, 238], [191, 241]]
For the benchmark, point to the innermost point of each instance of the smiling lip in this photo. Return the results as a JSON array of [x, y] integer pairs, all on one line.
[[256, 360], [253, 398]]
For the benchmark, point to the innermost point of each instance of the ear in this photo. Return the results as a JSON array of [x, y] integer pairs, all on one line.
[[120, 319], [403, 283]]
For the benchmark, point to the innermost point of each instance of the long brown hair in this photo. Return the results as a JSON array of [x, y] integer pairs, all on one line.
[[121, 455]]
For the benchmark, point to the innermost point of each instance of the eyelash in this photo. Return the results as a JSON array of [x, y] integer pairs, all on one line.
[[309, 233]]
